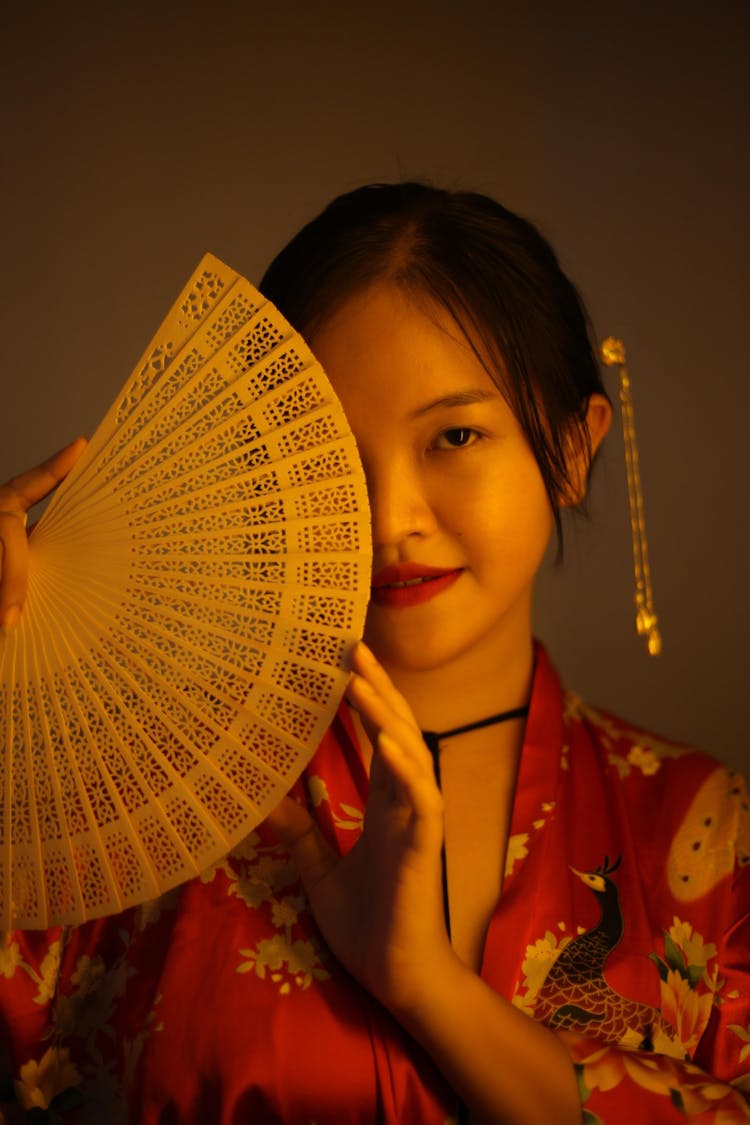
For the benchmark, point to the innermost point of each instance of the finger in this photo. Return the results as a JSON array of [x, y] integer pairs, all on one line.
[[412, 786], [16, 497], [365, 664], [13, 568], [379, 702], [298, 832], [25, 490], [375, 710], [378, 716]]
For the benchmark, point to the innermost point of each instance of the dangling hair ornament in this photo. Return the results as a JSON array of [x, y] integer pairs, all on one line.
[[612, 352]]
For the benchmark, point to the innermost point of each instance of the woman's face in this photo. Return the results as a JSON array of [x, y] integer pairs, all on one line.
[[460, 515]]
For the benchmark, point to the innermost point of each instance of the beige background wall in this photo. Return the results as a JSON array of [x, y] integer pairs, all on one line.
[[134, 137]]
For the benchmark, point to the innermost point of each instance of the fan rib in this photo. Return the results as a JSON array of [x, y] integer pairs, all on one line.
[[196, 586]]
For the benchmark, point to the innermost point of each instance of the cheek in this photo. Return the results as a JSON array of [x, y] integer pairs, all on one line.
[[508, 519]]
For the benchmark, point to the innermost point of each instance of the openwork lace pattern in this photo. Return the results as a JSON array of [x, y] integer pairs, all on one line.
[[196, 586]]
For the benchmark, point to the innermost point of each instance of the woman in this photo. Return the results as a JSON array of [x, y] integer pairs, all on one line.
[[593, 874]]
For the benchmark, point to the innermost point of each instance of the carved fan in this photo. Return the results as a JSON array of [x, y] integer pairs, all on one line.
[[196, 585]]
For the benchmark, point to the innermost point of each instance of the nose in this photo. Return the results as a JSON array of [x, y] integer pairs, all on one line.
[[400, 504]]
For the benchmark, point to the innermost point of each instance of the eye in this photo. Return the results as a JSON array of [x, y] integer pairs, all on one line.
[[456, 438]]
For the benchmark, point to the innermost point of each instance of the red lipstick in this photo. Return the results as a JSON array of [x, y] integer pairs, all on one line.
[[407, 584]]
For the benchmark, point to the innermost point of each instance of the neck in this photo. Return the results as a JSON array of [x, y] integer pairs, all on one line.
[[467, 690], [482, 682], [433, 738]]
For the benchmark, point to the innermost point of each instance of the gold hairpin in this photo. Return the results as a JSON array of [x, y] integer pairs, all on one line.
[[612, 352]]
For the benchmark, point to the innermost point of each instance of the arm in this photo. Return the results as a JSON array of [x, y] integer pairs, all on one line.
[[380, 909], [16, 497]]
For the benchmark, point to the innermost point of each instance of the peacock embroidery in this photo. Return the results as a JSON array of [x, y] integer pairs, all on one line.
[[575, 993]]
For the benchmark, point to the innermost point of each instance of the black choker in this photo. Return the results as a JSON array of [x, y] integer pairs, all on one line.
[[433, 738]]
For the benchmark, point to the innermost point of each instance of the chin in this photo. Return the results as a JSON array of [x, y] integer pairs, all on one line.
[[417, 652]]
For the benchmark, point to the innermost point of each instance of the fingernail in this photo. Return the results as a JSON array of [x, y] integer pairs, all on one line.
[[385, 742], [11, 617], [358, 683]]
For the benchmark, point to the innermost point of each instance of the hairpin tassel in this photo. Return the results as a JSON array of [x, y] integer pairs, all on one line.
[[612, 352]]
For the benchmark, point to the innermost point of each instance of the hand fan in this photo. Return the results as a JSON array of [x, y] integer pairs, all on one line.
[[196, 584]]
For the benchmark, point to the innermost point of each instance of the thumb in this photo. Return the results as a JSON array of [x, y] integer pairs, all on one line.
[[297, 831]]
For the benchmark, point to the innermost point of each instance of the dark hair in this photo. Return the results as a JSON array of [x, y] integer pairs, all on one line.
[[494, 274]]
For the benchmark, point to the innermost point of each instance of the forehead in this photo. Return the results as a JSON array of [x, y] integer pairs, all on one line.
[[386, 348]]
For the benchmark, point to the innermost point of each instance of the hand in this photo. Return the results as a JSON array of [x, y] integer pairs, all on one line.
[[380, 906], [380, 910], [16, 497]]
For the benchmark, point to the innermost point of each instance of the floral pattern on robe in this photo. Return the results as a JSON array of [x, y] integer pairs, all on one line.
[[626, 867]]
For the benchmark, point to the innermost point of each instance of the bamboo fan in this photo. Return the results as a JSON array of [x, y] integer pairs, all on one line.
[[196, 585]]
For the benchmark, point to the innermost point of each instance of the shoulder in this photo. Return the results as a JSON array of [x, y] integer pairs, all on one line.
[[595, 739], [670, 790], [631, 751]]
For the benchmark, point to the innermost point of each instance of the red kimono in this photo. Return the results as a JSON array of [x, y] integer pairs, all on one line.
[[623, 924]]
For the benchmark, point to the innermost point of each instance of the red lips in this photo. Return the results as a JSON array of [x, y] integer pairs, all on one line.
[[409, 584]]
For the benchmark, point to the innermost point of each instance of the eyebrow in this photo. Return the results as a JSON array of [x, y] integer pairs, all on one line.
[[459, 398]]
